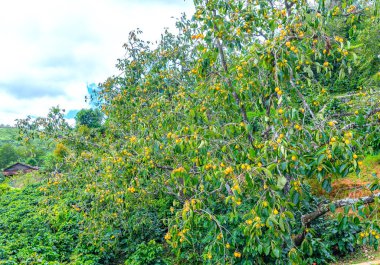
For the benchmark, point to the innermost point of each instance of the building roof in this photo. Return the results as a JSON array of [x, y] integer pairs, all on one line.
[[24, 166]]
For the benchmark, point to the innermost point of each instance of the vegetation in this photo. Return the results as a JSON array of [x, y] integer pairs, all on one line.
[[360, 256], [92, 118], [8, 135], [28, 235], [35, 153], [219, 146]]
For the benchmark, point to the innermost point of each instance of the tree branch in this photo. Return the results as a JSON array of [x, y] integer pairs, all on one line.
[[307, 107], [306, 219], [243, 112]]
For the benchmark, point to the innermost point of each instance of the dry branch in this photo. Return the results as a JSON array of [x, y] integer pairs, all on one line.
[[306, 219]]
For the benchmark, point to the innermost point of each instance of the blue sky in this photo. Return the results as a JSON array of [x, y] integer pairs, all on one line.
[[51, 49]]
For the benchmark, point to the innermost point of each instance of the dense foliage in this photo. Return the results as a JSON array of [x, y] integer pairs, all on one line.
[[213, 137], [35, 153], [91, 118]]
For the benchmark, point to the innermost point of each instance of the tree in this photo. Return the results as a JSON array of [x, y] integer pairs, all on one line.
[[8, 154], [91, 118], [214, 136]]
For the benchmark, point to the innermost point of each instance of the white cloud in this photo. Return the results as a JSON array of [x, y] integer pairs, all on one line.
[[52, 49]]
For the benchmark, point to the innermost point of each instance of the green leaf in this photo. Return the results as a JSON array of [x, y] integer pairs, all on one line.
[[267, 250], [281, 224], [281, 182], [320, 159], [332, 207], [260, 249], [296, 198], [276, 252]]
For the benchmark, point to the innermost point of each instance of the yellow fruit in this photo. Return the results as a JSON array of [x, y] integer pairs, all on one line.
[[228, 170], [168, 236]]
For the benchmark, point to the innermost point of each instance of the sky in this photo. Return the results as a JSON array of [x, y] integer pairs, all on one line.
[[52, 49]]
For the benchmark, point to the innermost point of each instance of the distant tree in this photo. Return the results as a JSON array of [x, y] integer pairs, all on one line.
[[92, 118], [8, 154]]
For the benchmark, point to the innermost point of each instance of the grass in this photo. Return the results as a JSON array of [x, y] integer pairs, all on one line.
[[361, 255], [371, 165], [353, 186], [22, 180]]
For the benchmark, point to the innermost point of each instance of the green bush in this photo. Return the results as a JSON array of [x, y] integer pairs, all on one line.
[[147, 254], [4, 188]]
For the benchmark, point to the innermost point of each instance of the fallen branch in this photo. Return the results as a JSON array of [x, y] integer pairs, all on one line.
[[346, 114], [306, 219], [164, 167], [372, 112]]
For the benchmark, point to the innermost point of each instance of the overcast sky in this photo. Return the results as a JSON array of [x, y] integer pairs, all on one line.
[[51, 49]]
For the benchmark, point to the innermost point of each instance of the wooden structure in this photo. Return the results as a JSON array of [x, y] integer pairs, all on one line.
[[18, 168]]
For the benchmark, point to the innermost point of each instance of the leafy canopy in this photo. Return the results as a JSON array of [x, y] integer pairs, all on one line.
[[91, 118], [213, 137]]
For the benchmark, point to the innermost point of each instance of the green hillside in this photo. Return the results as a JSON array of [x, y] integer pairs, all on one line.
[[8, 135]]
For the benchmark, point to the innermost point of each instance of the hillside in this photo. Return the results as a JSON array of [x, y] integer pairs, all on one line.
[[8, 135]]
